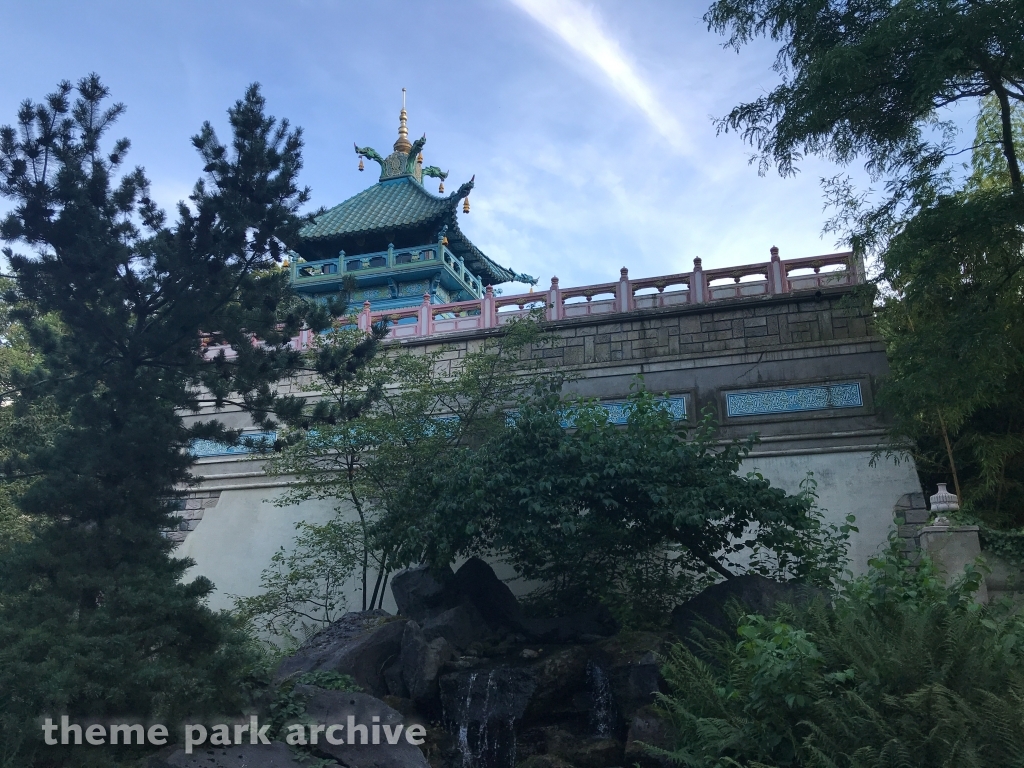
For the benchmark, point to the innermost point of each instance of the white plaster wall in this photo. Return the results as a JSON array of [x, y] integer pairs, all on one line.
[[236, 539], [847, 483]]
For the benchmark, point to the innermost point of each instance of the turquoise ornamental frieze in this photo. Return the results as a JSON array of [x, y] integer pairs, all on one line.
[[793, 400], [203, 448]]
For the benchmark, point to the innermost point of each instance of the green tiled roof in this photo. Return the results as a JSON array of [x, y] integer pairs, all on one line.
[[388, 205], [399, 204]]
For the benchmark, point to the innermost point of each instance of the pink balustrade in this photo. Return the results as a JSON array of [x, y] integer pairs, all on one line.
[[770, 278]]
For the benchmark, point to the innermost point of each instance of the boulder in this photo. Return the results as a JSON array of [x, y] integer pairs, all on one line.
[[583, 751], [460, 626], [329, 707], [648, 727], [543, 761], [394, 681], [491, 596], [421, 593], [584, 626], [421, 662], [753, 593], [362, 645], [560, 679], [630, 664], [275, 755]]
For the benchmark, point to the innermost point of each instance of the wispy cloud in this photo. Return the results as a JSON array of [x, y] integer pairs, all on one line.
[[579, 27]]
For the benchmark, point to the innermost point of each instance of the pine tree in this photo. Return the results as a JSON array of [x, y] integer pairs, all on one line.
[[95, 617]]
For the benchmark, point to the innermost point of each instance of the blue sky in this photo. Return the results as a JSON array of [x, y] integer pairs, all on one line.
[[587, 124]]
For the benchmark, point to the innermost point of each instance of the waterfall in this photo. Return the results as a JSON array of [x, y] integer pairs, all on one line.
[[602, 711], [482, 710]]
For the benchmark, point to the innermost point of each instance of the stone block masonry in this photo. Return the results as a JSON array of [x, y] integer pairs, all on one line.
[[191, 510], [798, 359]]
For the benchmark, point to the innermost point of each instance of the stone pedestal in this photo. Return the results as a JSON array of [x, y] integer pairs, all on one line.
[[951, 548]]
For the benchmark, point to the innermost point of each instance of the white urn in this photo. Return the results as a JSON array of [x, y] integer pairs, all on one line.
[[944, 501]]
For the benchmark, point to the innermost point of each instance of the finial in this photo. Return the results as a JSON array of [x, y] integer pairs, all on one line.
[[774, 251], [403, 145]]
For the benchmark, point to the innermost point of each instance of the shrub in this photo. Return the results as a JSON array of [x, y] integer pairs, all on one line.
[[902, 671]]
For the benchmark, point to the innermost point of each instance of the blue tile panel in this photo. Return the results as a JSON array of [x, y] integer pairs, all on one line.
[[203, 448], [771, 401], [618, 410]]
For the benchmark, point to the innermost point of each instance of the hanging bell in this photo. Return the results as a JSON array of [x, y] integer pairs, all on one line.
[[465, 205], [361, 164], [440, 188]]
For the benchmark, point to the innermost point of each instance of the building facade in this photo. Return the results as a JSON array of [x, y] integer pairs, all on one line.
[[781, 348]]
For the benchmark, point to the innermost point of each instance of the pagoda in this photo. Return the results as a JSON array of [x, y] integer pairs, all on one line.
[[396, 241]]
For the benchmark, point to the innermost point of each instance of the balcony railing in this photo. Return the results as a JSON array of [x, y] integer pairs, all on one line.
[[699, 287], [312, 273]]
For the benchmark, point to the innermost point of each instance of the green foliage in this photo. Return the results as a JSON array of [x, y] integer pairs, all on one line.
[[635, 516], [871, 82], [414, 413], [331, 681], [868, 80], [303, 590], [903, 670], [113, 303], [988, 161], [817, 551]]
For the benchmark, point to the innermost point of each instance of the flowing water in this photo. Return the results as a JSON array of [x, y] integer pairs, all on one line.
[[602, 711]]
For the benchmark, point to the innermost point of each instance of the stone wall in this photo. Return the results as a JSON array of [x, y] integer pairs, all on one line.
[[799, 342]]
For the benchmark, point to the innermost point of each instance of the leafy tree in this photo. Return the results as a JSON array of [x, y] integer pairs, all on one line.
[[870, 81], [398, 417], [867, 81], [902, 671], [95, 619], [303, 590], [635, 517]]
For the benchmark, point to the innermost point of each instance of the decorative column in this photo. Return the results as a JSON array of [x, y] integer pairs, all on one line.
[[777, 282], [364, 318], [488, 312], [623, 292], [698, 285], [856, 265], [555, 310], [425, 317]]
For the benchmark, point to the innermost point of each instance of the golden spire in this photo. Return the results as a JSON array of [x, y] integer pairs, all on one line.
[[403, 145]]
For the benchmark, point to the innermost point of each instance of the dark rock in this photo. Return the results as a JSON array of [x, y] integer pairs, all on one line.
[[585, 626], [477, 581], [394, 681], [420, 593], [275, 755], [543, 761], [461, 626], [648, 727], [583, 751], [557, 678], [753, 593], [630, 662], [421, 663], [362, 645], [336, 707]]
